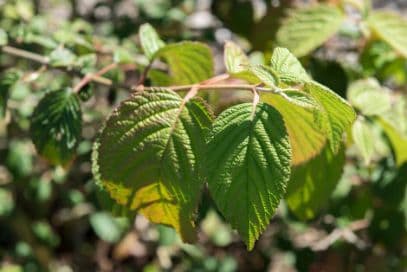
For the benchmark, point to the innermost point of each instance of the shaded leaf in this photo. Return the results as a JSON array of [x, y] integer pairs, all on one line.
[[397, 141], [303, 120], [149, 157], [7, 80], [248, 166], [56, 126], [305, 29], [312, 184], [150, 41]]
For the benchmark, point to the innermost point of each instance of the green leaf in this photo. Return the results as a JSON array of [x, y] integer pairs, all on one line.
[[62, 57], [237, 63], [189, 62], [397, 141], [150, 41], [249, 158], [308, 28], [391, 28], [312, 184], [149, 157], [338, 114], [107, 227], [56, 126], [3, 37], [265, 74], [7, 80], [369, 97], [303, 120], [363, 137], [287, 66]]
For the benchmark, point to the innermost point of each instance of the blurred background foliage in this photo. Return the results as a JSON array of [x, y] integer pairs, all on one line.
[[57, 219]]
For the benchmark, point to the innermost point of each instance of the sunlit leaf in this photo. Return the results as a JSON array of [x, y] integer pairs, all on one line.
[[303, 120], [150, 41], [149, 157], [305, 29], [363, 138], [248, 166], [397, 140], [189, 62], [391, 28], [237, 63], [369, 97], [339, 115], [287, 66]]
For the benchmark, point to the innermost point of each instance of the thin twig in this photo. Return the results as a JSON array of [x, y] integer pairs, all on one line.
[[89, 77]]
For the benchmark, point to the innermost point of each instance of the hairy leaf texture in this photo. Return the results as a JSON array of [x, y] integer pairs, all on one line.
[[56, 126], [287, 66], [305, 29], [338, 114], [249, 158], [149, 157]]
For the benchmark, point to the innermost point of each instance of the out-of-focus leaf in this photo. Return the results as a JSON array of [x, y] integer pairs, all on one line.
[[19, 158], [149, 157], [303, 120], [287, 66], [62, 57], [339, 115], [363, 138], [307, 28], [56, 126], [369, 97], [6, 202], [107, 227], [189, 62], [150, 41], [312, 184], [391, 28], [397, 141], [44, 232], [249, 159], [7, 79], [3, 37]]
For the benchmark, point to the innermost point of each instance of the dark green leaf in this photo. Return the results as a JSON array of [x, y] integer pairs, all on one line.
[[56, 126]]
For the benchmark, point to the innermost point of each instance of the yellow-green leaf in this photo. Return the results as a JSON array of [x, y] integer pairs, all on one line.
[[305, 29], [149, 40], [391, 28], [303, 120], [312, 184], [149, 157]]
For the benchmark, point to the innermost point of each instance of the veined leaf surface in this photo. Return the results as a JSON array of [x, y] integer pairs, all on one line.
[[303, 120], [249, 159], [56, 126], [149, 157], [339, 115], [150, 41]]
